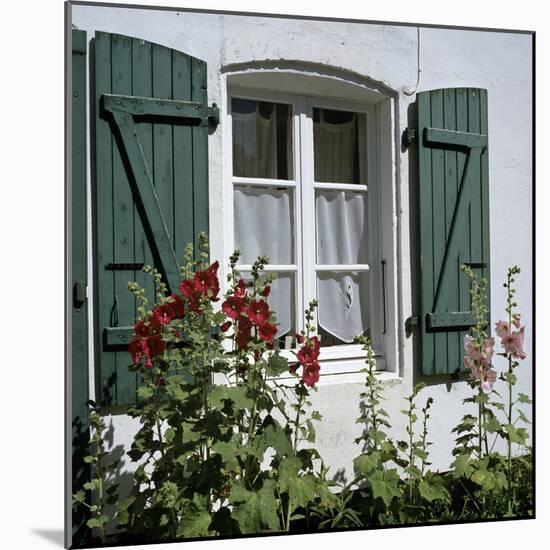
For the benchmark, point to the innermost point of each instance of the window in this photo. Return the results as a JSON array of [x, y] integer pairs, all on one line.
[[304, 193]]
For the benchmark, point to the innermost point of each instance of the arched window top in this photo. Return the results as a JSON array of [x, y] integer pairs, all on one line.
[[312, 79]]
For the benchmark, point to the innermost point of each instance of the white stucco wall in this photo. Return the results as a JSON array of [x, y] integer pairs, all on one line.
[[499, 62]]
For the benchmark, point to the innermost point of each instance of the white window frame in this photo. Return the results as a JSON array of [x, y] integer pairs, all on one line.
[[340, 359]]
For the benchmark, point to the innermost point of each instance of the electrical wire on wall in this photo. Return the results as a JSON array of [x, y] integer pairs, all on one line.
[[419, 70]]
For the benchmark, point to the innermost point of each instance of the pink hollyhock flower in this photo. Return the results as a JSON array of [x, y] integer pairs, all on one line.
[[487, 377], [502, 328], [512, 343], [516, 320]]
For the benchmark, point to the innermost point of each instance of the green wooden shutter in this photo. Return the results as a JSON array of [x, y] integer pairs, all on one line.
[[453, 218], [78, 282], [151, 184]]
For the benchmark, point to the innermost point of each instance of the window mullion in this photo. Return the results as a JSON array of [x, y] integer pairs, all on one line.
[[308, 202]]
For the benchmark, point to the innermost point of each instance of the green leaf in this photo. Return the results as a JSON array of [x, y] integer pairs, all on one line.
[[492, 425], [97, 522], [145, 392], [366, 463], [236, 394], [484, 478], [80, 496], [432, 488], [255, 511], [194, 523], [462, 466], [276, 365], [300, 488], [229, 452], [385, 485], [515, 435], [523, 398]]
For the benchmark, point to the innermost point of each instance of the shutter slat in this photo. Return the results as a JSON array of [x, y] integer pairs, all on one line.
[[103, 199], [453, 188], [123, 222], [183, 158], [142, 85]]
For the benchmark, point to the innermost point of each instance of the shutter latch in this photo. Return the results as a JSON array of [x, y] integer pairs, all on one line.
[[79, 294], [409, 135], [213, 115], [410, 323]]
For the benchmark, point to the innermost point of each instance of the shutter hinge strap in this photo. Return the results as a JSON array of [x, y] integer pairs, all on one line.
[[410, 323]]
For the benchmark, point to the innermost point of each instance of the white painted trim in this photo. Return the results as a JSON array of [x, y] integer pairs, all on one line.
[[263, 182], [342, 267], [340, 186]]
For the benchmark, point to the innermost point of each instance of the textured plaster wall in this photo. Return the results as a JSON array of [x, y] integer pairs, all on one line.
[[388, 55]]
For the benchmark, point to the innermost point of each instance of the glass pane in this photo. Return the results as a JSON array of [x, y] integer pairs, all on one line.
[[338, 146], [344, 306], [281, 301], [264, 224], [262, 139], [341, 223]]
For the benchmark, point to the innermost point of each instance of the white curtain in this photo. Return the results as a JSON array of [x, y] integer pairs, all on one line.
[[281, 301], [341, 227], [255, 140], [254, 144], [335, 146], [342, 239], [263, 224], [343, 304]]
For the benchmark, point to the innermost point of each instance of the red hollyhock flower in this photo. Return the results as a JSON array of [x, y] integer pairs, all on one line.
[[164, 314], [311, 374], [244, 328], [306, 355], [240, 289], [177, 305], [293, 368], [258, 312], [266, 291], [137, 348], [299, 338], [233, 306], [225, 326], [267, 332], [186, 288], [206, 282], [141, 329], [156, 345]]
